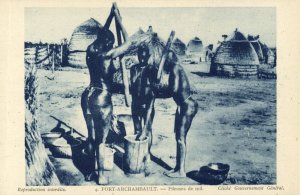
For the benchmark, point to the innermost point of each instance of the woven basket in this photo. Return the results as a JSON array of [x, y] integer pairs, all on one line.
[[62, 149], [50, 137]]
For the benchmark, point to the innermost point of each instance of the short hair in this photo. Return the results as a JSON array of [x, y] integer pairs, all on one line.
[[173, 57]]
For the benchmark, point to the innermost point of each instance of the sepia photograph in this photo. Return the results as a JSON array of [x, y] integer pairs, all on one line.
[[150, 96]]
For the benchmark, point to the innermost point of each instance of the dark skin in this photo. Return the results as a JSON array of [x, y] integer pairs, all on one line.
[[177, 88], [96, 100]]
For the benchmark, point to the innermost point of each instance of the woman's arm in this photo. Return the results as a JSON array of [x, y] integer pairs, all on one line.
[[121, 50]]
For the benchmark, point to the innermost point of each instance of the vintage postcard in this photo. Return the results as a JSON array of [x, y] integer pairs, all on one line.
[[151, 97]]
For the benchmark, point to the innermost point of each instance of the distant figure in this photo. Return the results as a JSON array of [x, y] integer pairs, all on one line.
[[145, 88], [96, 100]]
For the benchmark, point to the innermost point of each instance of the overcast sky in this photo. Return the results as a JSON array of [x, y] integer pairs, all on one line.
[[209, 24]]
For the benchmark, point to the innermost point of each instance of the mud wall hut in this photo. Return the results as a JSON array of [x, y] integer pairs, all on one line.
[[82, 37], [235, 57], [195, 49]]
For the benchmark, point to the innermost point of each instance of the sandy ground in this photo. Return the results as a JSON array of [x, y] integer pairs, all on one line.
[[236, 125]]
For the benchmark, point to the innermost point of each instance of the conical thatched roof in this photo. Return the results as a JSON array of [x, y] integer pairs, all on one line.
[[156, 46], [266, 50], [179, 47], [269, 56], [154, 42], [254, 41], [195, 45], [82, 37], [235, 57], [139, 32], [236, 51]]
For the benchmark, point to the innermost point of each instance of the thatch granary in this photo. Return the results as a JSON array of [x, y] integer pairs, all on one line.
[[195, 45], [156, 47], [82, 37], [254, 40], [269, 55], [195, 50], [179, 47], [235, 57]]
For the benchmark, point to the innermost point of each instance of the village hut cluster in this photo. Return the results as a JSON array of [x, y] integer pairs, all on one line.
[[235, 56], [238, 56]]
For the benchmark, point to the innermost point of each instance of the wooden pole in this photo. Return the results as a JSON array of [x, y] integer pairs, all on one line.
[[61, 53], [165, 53], [118, 20], [52, 67], [67, 125], [109, 19], [120, 29]]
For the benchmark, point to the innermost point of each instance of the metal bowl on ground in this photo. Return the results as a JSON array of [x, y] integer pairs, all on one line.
[[213, 173], [50, 137], [62, 148]]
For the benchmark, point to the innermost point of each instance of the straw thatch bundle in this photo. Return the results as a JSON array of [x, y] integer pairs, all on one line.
[[254, 41], [30, 54], [82, 37], [155, 43], [39, 169], [156, 46], [179, 47], [41, 55], [235, 58]]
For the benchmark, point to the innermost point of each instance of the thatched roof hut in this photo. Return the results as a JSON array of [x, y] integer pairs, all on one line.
[[235, 57], [254, 41], [209, 52], [195, 50], [269, 55], [195, 45], [156, 46], [82, 37], [179, 47]]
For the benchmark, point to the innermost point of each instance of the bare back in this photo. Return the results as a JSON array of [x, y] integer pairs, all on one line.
[[100, 67]]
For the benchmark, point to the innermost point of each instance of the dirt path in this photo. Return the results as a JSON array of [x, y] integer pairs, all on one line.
[[236, 124]]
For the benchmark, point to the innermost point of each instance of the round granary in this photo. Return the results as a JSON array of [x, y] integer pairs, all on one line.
[[195, 50], [254, 41], [195, 45], [82, 37], [235, 57]]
